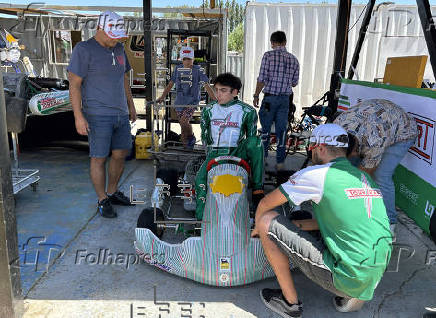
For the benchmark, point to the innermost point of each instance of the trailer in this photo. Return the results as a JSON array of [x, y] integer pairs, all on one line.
[[50, 38], [49, 35]]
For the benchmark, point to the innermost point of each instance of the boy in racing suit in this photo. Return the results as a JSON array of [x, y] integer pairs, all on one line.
[[229, 128]]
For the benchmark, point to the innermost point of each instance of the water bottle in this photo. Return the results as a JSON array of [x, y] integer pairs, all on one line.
[[29, 67], [174, 53]]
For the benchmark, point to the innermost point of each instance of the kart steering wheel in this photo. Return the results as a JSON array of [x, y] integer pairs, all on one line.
[[240, 162]]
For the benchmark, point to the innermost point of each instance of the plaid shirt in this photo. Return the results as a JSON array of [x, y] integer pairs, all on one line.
[[279, 71], [377, 124]]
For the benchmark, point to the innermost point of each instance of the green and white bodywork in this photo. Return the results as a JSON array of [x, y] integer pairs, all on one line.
[[225, 254]]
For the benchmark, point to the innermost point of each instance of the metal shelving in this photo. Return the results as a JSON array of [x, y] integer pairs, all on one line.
[[22, 178], [204, 38]]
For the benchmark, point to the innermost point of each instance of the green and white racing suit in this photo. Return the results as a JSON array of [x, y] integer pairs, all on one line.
[[229, 130]]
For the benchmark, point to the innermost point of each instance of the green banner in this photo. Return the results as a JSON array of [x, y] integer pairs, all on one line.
[[414, 196]]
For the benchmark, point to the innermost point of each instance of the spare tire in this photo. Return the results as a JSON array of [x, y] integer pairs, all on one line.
[[16, 113], [300, 215], [170, 177], [283, 176]]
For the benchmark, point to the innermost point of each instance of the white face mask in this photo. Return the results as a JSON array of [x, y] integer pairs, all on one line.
[[13, 55]]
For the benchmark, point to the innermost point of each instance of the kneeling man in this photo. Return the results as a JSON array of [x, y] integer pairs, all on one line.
[[355, 248], [229, 128]]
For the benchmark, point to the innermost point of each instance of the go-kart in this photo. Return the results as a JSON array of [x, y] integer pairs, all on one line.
[[223, 254]]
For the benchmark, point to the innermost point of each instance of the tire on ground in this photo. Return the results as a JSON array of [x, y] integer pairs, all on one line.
[[146, 221], [170, 177], [433, 227]]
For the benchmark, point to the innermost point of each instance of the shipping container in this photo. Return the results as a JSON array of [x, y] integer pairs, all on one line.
[[394, 30]]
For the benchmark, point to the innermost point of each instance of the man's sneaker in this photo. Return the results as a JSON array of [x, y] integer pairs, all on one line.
[[119, 198], [274, 300], [104, 207], [343, 304], [394, 235]]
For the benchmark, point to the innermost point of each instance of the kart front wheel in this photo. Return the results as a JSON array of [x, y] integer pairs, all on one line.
[[146, 221]]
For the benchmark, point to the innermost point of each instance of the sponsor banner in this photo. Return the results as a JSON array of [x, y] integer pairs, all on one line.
[[415, 178], [415, 196], [343, 103]]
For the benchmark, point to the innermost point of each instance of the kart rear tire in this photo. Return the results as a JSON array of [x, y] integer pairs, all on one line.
[[433, 227], [300, 215], [170, 177], [146, 221], [283, 176]]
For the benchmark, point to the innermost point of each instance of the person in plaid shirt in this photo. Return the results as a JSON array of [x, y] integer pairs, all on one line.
[[278, 73]]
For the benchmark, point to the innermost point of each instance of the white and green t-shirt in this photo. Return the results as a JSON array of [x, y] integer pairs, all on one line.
[[352, 219]]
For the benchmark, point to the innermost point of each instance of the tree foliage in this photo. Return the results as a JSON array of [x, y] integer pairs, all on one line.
[[235, 11], [235, 21], [205, 4], [236, 39], [236, 14]]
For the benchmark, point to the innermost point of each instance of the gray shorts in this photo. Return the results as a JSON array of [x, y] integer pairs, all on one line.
[[108, 133], [304, 251]]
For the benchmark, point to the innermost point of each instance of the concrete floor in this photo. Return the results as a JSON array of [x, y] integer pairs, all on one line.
[[76, 285]]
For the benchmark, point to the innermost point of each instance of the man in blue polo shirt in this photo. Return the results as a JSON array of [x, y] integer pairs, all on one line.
[[102, 105]]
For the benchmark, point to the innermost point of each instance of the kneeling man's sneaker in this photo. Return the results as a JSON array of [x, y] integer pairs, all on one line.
[[274, 300], [119, 198], [343, 304]]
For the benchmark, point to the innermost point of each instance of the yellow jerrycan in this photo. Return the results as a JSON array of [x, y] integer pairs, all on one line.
[[143, 145]]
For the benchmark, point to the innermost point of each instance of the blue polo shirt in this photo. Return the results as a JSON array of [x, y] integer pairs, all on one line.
[[188, 84], [102, 70]]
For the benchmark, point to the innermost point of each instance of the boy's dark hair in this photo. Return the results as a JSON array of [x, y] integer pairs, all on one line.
[[228, 79], [278, 37]]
